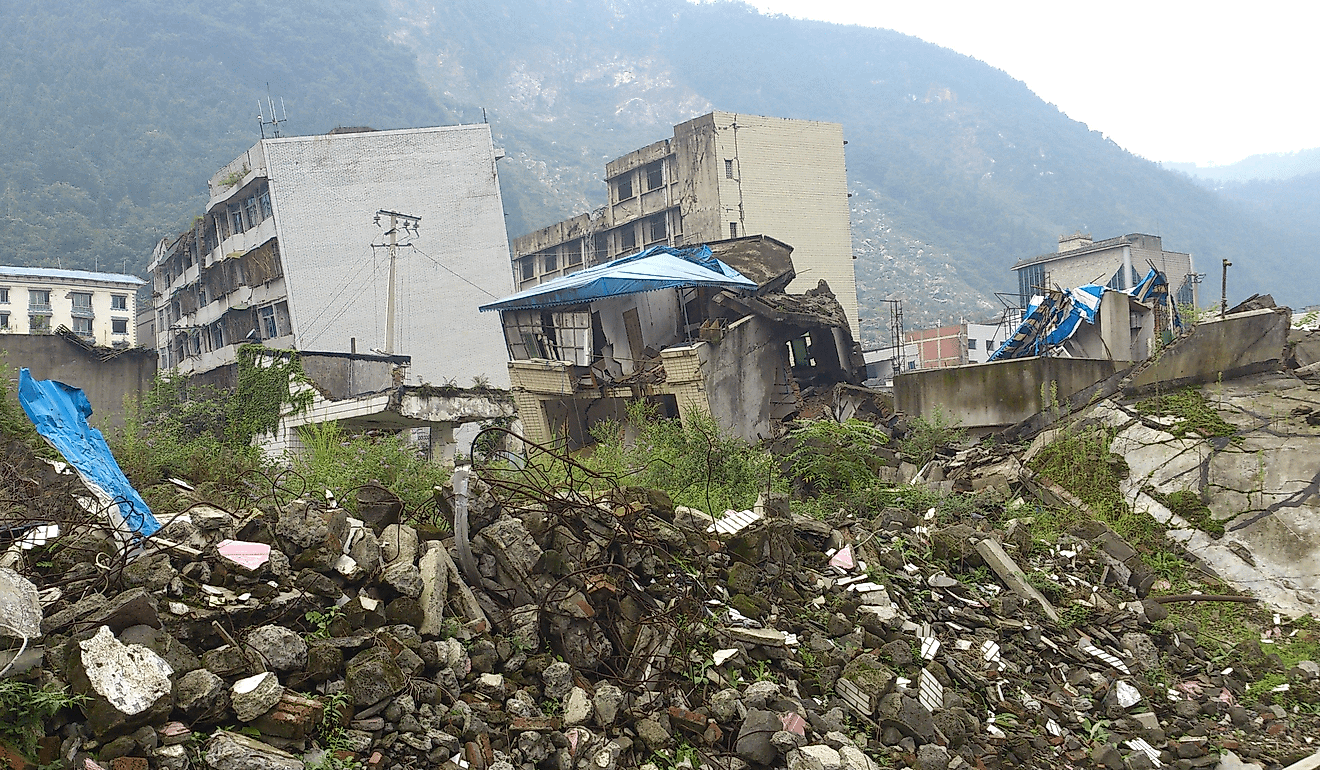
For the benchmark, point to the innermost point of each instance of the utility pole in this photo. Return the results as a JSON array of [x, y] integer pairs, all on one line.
[[1223, 290], [409, 224]]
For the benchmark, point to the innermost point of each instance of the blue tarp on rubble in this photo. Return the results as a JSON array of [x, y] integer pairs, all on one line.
[[1051, 320], [60, 414], [658, 267]]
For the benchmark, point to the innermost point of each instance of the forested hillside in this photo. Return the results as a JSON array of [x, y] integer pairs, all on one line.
[[115, 113]]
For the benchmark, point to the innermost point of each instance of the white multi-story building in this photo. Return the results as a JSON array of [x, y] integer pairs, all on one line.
[[291, 252], [722, 175], [99, 307]]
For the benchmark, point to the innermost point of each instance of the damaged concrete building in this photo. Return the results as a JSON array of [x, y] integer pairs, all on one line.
[[1117, 263], [700, 330], [289, 252], [722, 175]]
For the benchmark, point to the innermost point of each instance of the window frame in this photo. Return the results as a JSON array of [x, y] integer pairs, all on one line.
[[119, 302], [113, 326], [655, 175], [624, 183], [269, 328], [74, 296]]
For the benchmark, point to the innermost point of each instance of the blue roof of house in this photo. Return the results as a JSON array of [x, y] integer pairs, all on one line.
[[658, 267], [78, 275]]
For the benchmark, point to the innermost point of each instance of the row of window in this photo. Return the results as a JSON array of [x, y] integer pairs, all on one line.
[[40, 324], [653, 230], [238, 217], [80, 300], [652, 176]]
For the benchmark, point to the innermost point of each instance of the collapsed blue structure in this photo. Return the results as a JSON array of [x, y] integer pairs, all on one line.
[[60, 414], [1052, 319]]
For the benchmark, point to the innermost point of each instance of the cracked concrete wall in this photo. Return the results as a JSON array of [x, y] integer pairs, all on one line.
[[999, 393], [1246, 343]]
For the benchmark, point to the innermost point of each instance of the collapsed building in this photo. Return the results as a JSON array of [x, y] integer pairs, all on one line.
[[699, 330]]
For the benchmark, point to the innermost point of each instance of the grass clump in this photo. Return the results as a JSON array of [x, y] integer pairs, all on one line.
[[1196, 417], [24, 708], [1080, 462], [694, 460], [926, 436], [836, 457], [1188, 505], [341, 462]]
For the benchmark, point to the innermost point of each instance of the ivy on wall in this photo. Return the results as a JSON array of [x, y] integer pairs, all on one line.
[[265, 380]]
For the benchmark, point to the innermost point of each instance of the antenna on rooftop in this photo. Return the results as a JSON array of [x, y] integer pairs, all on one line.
[[275, 119]]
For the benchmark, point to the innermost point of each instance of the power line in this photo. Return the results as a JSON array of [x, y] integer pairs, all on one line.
[[451, 272]]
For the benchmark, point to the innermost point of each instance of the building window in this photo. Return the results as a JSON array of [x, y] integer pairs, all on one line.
[[657, 231], [600, 247], [971, 344], [82, 327], [217, 336], [4, 296], [268, 328], [119, 302], [655, 175], [572, 252], [263, 202], [733, 229], [39, 298], [623, 189], [551, 260], [4, 320], [236, 218], [250, 209], [39, 324], [119, 326], [912, 365], [728, 168], [1031, 281], [82, 300], [528, 268], [627, 238]]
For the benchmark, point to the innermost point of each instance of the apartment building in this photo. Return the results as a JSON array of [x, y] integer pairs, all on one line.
[[1118, 263], [956, 345], [722, 175], [99, 307], [292, 251]]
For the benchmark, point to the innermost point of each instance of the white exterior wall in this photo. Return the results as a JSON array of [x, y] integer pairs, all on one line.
[[988, 339], [325, 191], [790, 183], [15, 314]]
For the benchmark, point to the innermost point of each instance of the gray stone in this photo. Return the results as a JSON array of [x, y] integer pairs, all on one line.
[[577, 708], [724, 705], [398, 543], [758, 694], [606, 704], [20, 606], [199, 694], [785, 741], [435, 589], [1013, 577], [932, 757], [824, 756], [153, 572], [366, 551], [170, 758], [226, 661], [653, 734], [1142, 649], [910, 717], [175, 653], [317, 584], [557, 680], [134, 607], [854, 758], [255, 695], [372, 676], [754, 738], [282, 649], [232, 751], [404, 577]]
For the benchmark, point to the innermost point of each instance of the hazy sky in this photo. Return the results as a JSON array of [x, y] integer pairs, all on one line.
[[1173, 81]]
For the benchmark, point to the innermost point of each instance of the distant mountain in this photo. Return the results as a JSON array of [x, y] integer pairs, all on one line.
[[1279, 165], [115, 112]]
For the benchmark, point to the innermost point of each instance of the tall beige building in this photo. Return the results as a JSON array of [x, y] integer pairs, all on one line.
[[722, 175]]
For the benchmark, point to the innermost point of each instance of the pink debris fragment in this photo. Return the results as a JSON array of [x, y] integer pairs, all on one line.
[[843, 559], [245, 554], [794, 723]]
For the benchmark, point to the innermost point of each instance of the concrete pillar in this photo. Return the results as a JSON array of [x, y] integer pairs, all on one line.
[[1126, 283], [442, 445], [1115, 325]]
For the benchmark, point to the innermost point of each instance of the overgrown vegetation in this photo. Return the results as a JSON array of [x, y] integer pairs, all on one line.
[[836, 457], [340, 461], [1189, 505], [23, 709], [925, 436], [696, 462], [1196, 417]]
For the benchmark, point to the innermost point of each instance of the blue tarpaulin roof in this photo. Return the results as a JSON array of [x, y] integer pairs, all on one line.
[[659, 267], [60, 414], [1051, 320]]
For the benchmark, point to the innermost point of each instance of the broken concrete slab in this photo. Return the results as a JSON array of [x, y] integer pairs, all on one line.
[[20, 606], [1012, 575]]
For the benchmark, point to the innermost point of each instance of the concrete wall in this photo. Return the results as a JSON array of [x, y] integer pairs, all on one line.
[[998, 393], [106, 383], [326, 190], [344, 376], [746, 375], [1237, 345]]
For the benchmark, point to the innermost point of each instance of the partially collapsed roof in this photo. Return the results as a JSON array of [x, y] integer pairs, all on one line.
[[659, 267]]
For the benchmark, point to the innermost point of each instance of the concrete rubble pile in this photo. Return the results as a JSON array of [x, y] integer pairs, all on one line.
[[571, 630]]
